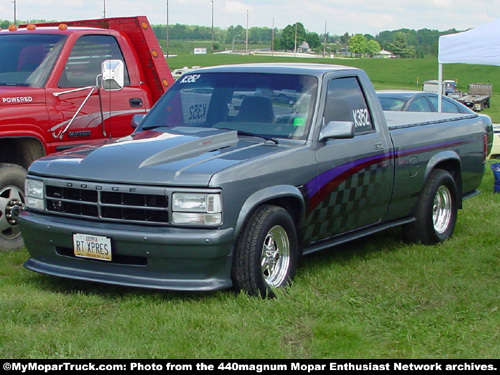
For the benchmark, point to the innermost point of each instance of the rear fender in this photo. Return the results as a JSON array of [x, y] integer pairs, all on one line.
[[450, 161]]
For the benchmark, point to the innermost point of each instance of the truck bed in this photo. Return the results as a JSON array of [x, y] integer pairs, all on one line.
[[398, 120]]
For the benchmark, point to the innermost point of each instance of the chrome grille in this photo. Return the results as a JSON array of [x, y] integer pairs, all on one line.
[[122, 203]]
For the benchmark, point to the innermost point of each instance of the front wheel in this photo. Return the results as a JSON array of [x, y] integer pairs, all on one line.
[[436, 213], [11, 204], [265, 255]]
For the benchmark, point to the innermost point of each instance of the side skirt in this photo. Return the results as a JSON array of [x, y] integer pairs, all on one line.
[[353, 235]]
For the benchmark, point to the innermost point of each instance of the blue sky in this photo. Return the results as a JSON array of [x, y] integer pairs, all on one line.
[[339, 16]]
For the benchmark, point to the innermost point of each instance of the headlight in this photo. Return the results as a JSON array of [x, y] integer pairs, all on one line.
[[196, 202], [196, 208], [34, 194]]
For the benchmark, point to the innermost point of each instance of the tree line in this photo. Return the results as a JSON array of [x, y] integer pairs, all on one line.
[[405, 43]]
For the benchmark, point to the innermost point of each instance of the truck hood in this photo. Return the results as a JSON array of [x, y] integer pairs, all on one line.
[[181, 155]]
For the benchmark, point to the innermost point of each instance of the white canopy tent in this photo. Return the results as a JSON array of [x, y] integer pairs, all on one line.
[[476, 46]]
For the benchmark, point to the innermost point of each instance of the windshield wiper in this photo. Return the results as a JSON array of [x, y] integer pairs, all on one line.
[[14, 84], [267, 138], [151, 127]]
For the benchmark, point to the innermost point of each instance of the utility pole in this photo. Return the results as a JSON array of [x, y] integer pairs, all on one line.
[[212, 26], [15, 12], [324, 42], [104, 9], [295, 47], [246, 42], [272, 40], [166, 46]]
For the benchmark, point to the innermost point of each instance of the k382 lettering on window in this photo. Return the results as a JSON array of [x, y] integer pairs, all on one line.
[[361, 117], [192, 78]]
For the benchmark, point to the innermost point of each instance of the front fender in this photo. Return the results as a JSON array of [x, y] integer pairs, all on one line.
[[278, 193]]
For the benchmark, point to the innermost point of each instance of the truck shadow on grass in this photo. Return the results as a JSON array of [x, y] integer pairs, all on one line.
[[345, 255], [69, 286]]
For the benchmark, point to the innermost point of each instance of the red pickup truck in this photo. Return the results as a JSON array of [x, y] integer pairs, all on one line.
[[50, 98]]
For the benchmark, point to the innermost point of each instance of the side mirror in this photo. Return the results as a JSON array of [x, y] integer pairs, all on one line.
[[113, 74], [337, 130], [136, 120]]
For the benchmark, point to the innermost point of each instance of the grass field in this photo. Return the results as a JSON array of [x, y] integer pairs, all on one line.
[[373, 298]]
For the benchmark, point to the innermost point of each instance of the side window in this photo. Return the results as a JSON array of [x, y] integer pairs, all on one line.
[[447, 106], [345, 101], [420, 105], [84, 62]]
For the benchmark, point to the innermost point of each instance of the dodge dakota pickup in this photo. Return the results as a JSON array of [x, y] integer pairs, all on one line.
[[237, 171], [49, 100]]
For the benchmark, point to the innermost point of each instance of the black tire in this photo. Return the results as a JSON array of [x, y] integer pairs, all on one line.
[[12, 179], [256, 271], [436, 213]]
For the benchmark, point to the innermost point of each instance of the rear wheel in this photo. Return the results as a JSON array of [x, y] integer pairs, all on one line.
[[436, 212], [11, 204], [265, 256]]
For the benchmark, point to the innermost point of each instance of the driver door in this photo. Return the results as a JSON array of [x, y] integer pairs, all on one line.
[[80, 111]]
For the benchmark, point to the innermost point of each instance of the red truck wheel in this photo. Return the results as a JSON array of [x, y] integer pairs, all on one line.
[[11, 204], [436, 212], [266, 252]]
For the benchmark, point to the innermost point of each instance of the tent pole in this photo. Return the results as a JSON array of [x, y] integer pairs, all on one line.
[[440, 87]]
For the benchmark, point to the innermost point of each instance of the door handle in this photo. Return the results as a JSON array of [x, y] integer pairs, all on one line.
[[135, 102], [378, 145]]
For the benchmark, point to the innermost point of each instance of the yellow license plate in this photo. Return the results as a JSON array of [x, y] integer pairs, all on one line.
[[90, 246]]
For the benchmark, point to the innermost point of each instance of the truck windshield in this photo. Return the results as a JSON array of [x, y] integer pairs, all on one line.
[[270, 105], [27, 60]]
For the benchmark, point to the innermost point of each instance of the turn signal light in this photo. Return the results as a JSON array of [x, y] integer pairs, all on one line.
[[12, 28]]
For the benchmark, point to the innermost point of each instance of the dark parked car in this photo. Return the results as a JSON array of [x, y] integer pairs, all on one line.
[[418, 101]]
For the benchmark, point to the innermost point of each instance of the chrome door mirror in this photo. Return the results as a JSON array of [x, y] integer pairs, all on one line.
[[113, 75]]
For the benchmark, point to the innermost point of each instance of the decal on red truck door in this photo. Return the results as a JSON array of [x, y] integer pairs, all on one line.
[[82, 68]]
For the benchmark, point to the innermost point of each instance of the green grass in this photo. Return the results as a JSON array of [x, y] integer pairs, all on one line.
[[373, 298]]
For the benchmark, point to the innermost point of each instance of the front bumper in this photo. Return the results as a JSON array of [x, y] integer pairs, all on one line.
[[148, 257]]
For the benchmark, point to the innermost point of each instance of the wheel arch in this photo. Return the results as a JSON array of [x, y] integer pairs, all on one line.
[[21, 150], [448, 161], [286, 196]]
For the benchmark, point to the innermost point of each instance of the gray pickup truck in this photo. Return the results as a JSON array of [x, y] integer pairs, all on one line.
[[238, 171]]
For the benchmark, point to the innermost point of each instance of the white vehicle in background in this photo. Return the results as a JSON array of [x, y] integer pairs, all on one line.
[[495, 150], [176, 73]]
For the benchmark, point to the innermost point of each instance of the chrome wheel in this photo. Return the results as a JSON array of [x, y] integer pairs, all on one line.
[[11, 205], [266, 252], [442, 209], [275, 261], [436, 213]]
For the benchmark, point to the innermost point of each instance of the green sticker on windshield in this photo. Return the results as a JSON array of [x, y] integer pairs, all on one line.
[[299, 121]]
